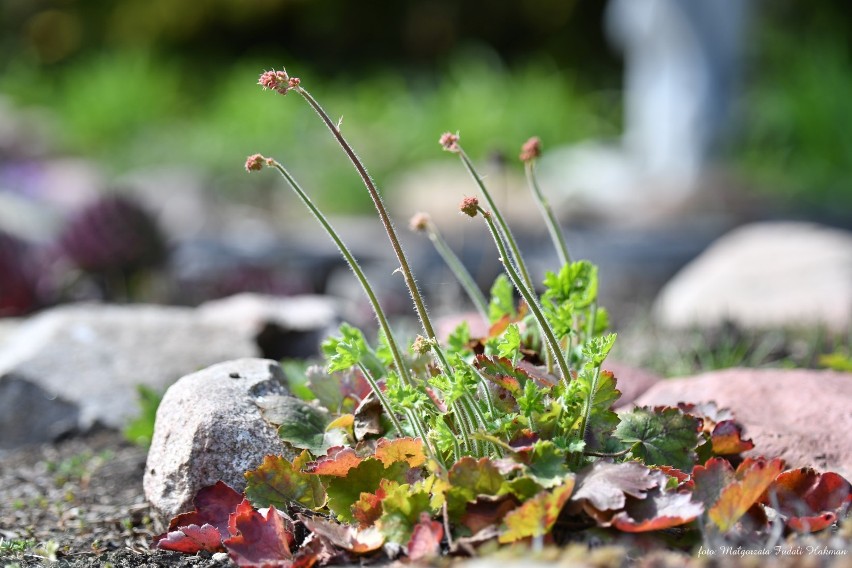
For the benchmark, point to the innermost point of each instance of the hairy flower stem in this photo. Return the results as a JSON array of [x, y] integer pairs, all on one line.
[[528, 296], [556, 234], [402, 368], [460, 272], [504, 227], [419, 305]]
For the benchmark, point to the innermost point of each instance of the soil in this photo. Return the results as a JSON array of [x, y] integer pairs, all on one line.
[[82, 500]]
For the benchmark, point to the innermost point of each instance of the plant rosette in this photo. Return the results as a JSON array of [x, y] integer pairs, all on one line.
[[427, 448]]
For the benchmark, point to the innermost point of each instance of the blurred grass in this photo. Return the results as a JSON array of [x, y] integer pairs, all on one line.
[[129, 110]]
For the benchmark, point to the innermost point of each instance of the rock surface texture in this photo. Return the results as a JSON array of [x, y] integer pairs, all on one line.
[[209, 428], [763, 275], [72, 367], [802, 416]]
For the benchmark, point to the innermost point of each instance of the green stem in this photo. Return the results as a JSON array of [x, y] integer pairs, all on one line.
[[556, 234], [460, 272], [529, 297], [383, 214], [385, 404], [504, 227], [462, 423], [353, 264]]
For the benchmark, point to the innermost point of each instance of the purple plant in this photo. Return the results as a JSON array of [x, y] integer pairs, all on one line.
[[114, 235], [18, 277]]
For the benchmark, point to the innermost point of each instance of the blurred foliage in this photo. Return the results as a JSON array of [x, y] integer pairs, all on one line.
[[797, 134], [129, 109]]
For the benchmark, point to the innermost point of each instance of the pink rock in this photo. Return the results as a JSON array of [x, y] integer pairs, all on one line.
[[631, 381], [802, 416]]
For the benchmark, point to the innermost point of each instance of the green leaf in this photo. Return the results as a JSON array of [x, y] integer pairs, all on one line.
[[662, 437], [597, 348], [510, 343], [296, 373], [577, 282], [547, 464], [502, 299], [401, 509], [343, 492], [280, 483], [502, 372], [300, 424], [458, 340], [470, 478], [531, 401]]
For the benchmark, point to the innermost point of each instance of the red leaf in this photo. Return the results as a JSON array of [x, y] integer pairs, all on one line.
[[426, 539], [213, 506], [727, 439], [337, 462], [809, 500], [753, 477], [259, 541], [191, 539]]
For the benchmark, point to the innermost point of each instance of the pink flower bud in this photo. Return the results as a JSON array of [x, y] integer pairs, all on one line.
[[255, 163], [531, 149], [450, 142], [469, 206]]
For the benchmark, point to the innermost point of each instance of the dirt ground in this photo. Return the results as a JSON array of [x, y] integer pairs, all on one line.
[[80, 503]]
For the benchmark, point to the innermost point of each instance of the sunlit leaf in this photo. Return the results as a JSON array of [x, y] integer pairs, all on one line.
[[502, 299], [364, 478], [752, 478], [281, 483], [727, 439], [408, 450], [337, 463], [501, 372], [537, 515], [402, 508]]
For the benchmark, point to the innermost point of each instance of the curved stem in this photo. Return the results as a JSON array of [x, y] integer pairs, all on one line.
[[383, 214], [504, 227], [530, 299], [402, 369], [556, 234]]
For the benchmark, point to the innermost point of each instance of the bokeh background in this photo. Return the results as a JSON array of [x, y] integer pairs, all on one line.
[[161, 96]]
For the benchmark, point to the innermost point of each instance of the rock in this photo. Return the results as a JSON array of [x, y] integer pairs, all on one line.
[[283, 327], [802, 416], [209, 429], [762, 275], [631, 381], [72, 367]]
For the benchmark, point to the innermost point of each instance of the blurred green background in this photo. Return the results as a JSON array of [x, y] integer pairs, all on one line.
[[134, 83]]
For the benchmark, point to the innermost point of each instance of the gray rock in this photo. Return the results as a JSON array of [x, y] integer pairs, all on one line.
[[71, 367], [802, 415], [283, 327], [762, 275], [208, 429]]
